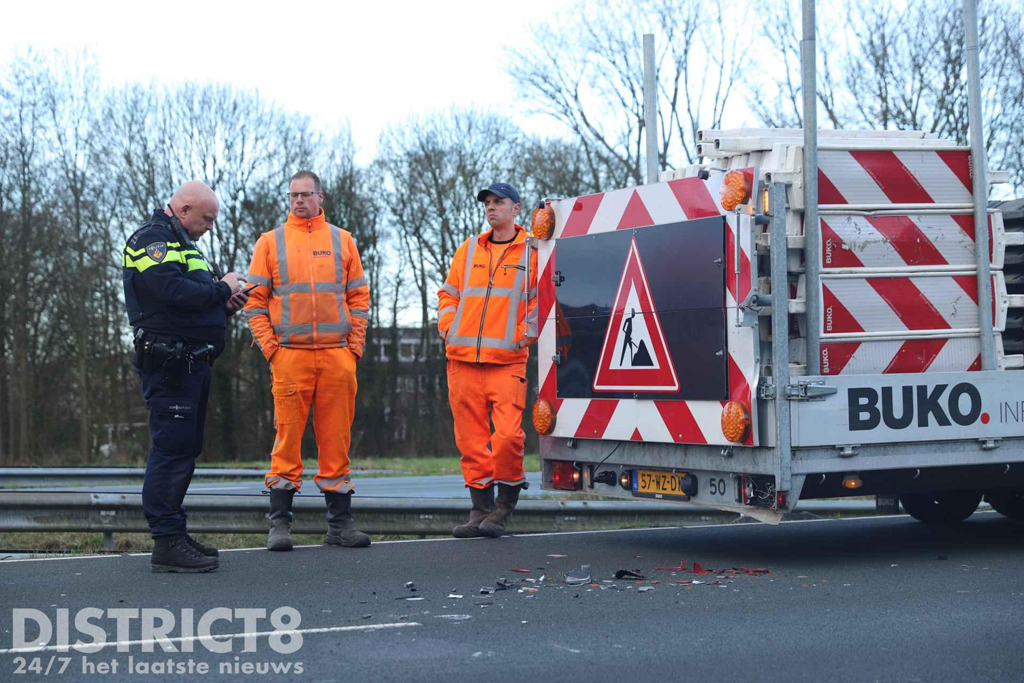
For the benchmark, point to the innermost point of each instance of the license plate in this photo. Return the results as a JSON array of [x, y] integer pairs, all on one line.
[[660, 484]]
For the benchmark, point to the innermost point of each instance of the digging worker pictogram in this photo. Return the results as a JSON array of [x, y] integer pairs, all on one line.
[[487, 317], [308, 314]]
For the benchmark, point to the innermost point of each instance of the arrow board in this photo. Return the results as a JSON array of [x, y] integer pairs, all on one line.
[[634, 356]]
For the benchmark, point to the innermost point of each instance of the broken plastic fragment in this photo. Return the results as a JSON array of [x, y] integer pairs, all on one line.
[[628, 574], [578, 578], [455, 595], [409, 584], [680, 568], [697, 569], [558, 557], [503, 584], [644, 589], [521, 571]]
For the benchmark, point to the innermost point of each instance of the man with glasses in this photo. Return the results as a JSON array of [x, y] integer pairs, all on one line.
[[308, 314], [178, 307]]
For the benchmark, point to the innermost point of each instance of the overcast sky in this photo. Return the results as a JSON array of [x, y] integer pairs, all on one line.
[[370, 63]]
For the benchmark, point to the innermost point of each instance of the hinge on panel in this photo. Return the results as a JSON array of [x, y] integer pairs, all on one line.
[[809, 391], [557, 358], [989, 444], [848, 451], [766, 391], [558, 278]]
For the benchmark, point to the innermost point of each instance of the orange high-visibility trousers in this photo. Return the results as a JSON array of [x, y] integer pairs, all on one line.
[[324, 379], [480, 393]]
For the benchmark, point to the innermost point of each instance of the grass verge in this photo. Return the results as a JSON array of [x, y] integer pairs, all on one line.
[[392, 467]]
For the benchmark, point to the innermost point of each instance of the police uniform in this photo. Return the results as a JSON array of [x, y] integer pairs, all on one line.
[[177, 309]]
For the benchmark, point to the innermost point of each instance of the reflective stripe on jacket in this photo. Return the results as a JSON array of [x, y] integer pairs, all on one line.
[[484, 306], [311, 291]]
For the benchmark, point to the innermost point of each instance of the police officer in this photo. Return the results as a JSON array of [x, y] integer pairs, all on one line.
[[178, 309]]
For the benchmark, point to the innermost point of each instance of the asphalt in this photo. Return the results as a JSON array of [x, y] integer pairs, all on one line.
[[881, 599]]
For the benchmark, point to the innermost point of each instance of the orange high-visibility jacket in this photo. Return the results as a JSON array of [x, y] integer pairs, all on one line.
[[485, 312], [311, 292]]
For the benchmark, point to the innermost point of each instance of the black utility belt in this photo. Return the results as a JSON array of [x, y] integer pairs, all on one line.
[[153, 351]]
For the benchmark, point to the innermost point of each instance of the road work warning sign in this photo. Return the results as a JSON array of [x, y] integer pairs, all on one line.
[[635, 356]]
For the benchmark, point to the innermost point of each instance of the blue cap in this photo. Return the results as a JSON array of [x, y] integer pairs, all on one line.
[[501, 190]]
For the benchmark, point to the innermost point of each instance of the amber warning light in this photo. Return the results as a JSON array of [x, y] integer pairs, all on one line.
[[543, 221], [735, 190], [735, 421], [543, 417]]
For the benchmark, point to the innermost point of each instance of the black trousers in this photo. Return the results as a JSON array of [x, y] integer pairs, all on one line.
[[177, 402]]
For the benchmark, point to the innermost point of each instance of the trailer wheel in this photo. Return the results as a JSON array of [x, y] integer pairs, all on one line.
[[942, 507], [1007, 503]]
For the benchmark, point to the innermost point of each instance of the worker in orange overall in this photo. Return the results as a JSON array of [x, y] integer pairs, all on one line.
[[487, 317], [308, 314]]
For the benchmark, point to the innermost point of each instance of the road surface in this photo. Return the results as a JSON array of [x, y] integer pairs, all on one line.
[[880, 599]]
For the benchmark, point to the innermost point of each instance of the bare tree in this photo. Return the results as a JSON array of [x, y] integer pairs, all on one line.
[[903, 66], [588, 75]]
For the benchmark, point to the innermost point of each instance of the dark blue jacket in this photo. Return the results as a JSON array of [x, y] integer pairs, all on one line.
[[169, 287]]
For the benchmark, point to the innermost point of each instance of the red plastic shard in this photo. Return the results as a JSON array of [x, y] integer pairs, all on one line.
[[521, 571], [680, 568], [697, 569]]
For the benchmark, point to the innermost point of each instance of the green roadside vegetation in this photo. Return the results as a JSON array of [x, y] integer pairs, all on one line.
[[380, 466]]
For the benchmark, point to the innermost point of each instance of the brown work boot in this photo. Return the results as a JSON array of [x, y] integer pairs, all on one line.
[[280, 517], [341, 530], [483, 505], [494, 524]]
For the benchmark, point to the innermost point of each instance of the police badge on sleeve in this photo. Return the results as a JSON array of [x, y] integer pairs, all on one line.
[[157, 251]]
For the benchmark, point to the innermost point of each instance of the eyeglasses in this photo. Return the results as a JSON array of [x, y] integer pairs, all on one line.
[[304, 195]]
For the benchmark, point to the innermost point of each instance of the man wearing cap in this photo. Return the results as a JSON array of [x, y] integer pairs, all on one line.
[[486, 314]]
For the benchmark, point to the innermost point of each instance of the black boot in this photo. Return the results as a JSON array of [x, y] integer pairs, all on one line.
[[207, 550], [483, 505], [174, 554], [280, 517], [341, 530], [494, 524]]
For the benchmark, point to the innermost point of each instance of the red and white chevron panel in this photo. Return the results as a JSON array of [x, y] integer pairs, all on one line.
[[875, 357], [882, 177], [896, 305], [895, 242], [664, 421]]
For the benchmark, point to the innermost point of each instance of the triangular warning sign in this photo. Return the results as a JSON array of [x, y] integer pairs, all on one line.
[[634, 356]]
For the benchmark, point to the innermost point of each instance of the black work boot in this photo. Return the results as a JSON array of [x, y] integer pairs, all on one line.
[[341, 530], [207, 550], [494, 524], [483, 505], [174, 554], [280, 517]]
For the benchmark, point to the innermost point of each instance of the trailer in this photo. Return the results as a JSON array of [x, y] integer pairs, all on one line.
[[674, 323]]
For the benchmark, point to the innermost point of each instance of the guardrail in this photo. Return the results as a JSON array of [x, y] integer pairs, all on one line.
[[76, 476], [110, 513]]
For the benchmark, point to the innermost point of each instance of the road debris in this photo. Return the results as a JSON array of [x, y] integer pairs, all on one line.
[[503, 584], [558, 557], [644, 589], [521, 571], [578, 578], [628, 574], [455, 595]]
